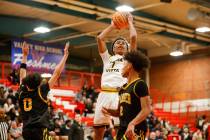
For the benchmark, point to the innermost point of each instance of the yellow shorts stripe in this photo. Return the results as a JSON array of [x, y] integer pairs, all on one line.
[[111, 90]]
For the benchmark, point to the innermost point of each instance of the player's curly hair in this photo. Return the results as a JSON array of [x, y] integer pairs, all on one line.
[[138, 60], [32, 80]]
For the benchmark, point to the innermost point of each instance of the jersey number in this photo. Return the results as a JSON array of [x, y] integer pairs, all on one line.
[[113, 63], [27, 104]]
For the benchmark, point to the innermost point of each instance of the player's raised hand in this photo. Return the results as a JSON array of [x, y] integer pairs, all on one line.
[[66, 49], [25, 49], [130, 18]]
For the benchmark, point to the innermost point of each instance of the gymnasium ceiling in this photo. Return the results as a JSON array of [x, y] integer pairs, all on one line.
[[160, 26]]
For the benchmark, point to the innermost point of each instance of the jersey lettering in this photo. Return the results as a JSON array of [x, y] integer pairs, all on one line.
[[125, 98], [112, 70]]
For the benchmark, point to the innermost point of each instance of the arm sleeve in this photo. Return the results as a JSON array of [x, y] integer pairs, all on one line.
[[105, 56], [141, 89], [45, 88]]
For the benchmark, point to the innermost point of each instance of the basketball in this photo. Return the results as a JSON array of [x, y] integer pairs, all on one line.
[[120, 19]]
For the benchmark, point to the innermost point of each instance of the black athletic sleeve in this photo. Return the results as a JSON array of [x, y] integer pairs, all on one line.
[[45, 88], [141, 89], [22, 88]]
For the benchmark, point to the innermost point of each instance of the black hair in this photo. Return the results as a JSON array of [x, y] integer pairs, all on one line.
[[138, 60], [32, 80], [68, 121], [204, 117], [119, 38], [10, 90]]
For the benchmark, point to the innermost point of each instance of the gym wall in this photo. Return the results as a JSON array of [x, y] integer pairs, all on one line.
[[181, 80]]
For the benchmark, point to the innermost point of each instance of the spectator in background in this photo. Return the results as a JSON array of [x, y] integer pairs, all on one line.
[[12, 96], [8, 105], [65, 130], [200, 121], [197, 135], [89, 91], [94, 95], [62, 118], [205, 127], [152, 136], [2, 91], [165, 133], [14, 77], [158, 135], [78, 96], [185, 134], [12, 114], [2, 99], [173, 135], [57, 126], [88, 106], [76, 130], [16, 131]]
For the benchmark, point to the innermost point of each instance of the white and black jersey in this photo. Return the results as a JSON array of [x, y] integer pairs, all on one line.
[[4, 131]]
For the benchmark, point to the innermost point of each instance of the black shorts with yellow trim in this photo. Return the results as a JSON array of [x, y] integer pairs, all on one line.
[[36, 134], [139, 134]]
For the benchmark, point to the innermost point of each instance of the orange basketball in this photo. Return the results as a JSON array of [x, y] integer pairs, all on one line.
[[120, 19]]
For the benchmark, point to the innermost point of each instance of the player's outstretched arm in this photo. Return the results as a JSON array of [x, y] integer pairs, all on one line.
[[101, 38], [133, 33], [25, 51], [59, 68]]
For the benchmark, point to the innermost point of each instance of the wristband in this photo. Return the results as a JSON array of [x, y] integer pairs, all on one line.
[[23, 65]]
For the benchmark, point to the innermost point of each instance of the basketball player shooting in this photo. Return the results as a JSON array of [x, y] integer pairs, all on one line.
[[134, 104], [32, 97], [111, 79]]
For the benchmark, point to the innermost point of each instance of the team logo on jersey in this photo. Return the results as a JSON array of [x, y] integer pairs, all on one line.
[[125, 98]]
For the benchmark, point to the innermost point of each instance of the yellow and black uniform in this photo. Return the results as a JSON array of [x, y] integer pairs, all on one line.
[[130, 106], [34, 112]]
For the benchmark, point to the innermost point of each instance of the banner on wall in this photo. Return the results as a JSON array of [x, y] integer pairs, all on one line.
[[41, 56]]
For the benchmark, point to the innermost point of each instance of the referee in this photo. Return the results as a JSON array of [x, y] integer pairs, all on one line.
[[3, 126]]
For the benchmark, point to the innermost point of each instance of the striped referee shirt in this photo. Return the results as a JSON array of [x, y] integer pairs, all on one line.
[[4, 131]]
